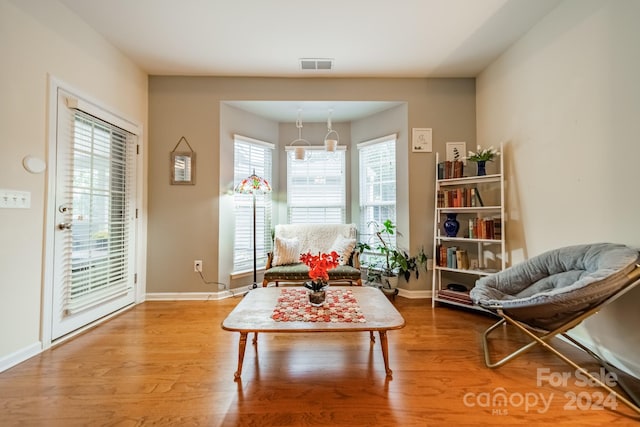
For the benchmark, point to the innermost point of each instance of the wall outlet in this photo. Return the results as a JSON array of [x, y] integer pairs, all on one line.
[[197, 266]]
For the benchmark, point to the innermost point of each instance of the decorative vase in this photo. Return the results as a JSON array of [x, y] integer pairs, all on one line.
[[481, 168], [316, 298], [451, 225]]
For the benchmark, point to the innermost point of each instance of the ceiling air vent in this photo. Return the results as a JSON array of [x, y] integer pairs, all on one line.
[[316, 64]]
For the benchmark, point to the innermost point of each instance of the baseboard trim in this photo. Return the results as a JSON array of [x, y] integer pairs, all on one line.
[[11, 360], [419, 294], [191, 296]]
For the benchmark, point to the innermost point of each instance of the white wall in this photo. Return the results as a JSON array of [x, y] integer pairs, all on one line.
[[566, 100], [39, 39]]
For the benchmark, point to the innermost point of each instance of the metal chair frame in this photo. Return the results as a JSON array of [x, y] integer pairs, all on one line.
[[542, 340]]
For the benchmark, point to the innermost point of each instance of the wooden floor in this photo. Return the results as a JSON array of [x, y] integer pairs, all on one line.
[[170, 363]]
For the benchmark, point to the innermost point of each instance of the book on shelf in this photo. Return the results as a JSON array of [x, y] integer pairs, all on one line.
[[485, 228], [450, 169], [441, 256], [452, 261], [497, 228], [458, 168], [462, 259], [458, 198], [455, 296], [445, 257], [452, 257]]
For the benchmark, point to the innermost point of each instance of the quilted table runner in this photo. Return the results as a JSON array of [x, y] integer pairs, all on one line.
[[340, 306]]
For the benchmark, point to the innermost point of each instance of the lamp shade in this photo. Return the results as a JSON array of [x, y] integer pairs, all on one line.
[[253, 184]]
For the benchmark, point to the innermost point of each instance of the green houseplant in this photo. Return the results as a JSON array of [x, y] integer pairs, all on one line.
[[392, 261]]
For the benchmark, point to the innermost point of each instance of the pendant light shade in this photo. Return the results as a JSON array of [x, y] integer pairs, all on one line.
[[299, 151], [332, 138]]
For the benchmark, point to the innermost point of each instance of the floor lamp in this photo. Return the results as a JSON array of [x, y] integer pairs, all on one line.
[[253, 184]]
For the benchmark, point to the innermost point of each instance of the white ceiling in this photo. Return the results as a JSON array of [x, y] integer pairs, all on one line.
[[366, 38]]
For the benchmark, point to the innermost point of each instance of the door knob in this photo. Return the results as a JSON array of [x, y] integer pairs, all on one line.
[[64, 226]]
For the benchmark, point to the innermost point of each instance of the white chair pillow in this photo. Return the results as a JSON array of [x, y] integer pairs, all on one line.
[[344, 247], [286, 251]]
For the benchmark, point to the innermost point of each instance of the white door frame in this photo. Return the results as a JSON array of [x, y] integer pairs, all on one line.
[[49, 223]]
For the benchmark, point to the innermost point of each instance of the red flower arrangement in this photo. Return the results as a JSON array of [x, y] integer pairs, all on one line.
[[319, 265]]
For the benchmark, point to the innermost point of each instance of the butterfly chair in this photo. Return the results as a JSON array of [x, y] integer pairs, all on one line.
[[552, 293]]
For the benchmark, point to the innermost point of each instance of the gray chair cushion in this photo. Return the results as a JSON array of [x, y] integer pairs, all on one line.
[[547, 289]]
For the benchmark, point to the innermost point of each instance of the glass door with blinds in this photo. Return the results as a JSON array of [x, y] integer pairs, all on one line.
[[94, 241]]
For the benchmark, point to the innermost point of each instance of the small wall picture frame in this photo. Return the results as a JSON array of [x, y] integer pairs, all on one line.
[[421, 140], [182, 165], [456, 151]]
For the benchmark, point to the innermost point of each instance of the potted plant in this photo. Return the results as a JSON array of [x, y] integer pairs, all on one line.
[[319, 266], [405, 264], [394, 262], [481, 157]]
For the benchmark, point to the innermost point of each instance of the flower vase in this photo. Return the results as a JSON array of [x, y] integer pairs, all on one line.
[[481, 168], [317, 298], [451, 225]]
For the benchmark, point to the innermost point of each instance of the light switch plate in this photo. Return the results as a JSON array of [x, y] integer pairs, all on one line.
[[15, 199]]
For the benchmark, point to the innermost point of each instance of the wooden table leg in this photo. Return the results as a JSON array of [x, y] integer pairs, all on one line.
[[385, 352], [372, 337], [241, 347]]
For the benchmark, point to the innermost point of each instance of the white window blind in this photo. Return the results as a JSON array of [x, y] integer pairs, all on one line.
[[316, 188], [100, 253], [377, 178], [251, 155]]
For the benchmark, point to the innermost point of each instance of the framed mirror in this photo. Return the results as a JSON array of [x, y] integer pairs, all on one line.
[[183, 167]]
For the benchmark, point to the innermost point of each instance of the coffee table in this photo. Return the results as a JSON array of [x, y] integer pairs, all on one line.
[[253, 314]]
